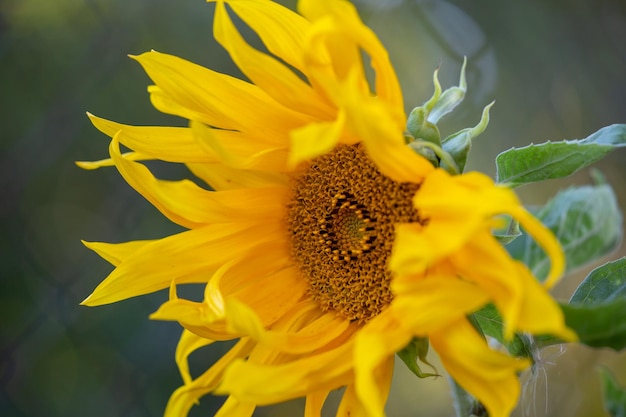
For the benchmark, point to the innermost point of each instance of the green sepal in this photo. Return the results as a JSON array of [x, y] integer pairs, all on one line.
[[459, 144], [420, 128], [614, 395], [551, 160], [426, 150], [449, 99], [415, 351]]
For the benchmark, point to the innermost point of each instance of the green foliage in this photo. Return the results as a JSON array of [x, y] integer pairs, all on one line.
[[604, 284], [597, 310], [551, 160], [614, 395], [490, 322], [586, 221], [598, 325]]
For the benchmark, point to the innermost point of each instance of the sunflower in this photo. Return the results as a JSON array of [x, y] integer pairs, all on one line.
[[326, 242]]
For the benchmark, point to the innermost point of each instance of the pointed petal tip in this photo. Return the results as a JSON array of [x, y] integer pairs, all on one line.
[[87, 302], [87, 165]]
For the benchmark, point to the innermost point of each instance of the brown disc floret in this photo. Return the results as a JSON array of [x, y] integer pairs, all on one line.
[[341, 223]]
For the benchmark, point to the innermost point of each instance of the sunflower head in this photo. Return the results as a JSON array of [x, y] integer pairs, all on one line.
[[329, 232]]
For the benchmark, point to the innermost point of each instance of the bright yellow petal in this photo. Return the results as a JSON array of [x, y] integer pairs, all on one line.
[[350, 406], [434, 242], [471, 200], [224, 315], [239, 151], [546, 239], [187, 344], [235, 408], [281, 30], [187, 204], [221, 177], [488, 375], [216, 99], [115, 253], [426, 305], [375, 347], [269, 384], [108, 162], [346, 16], [485, 262], [314, 139], [186, 396], [268, 298], [172, 144], [314, 403], [269, 74], [330, 57], [539, 313], [187, 257], [309, 338]]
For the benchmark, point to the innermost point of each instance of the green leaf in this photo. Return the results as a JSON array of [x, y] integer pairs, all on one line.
[[614, 395], [598, 325], [586, 221], [557, 159], [490, 322], [604, 284], [417, 349], [597, 310]]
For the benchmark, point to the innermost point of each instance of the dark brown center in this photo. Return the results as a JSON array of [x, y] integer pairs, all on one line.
[[341, 222]]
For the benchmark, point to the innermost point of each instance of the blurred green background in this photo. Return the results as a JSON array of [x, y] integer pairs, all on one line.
[[556, 68]]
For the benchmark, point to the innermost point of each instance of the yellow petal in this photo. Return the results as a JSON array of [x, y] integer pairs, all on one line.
[[472, 199], [234, 408], [314, 403], [427, 305], [187, 257], [108, 162], [281, 30], [485, 262], [187, 344], [315, 139], [309, 338], [218, 100], [187, 204], [172, 144], [544, 237], [222, 177], [269, 74], [488, 375], [269, 384], [346, 16], [375, 123], [239, 151], [267, 298], [435, 242], [186, 396], [350, 406], [539, 313], [115, 253], [375, 347]]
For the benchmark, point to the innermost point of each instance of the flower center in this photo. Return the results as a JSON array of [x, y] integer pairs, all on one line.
[[341, 222]]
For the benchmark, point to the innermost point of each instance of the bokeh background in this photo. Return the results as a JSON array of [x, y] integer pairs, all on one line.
[[556, 68]]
